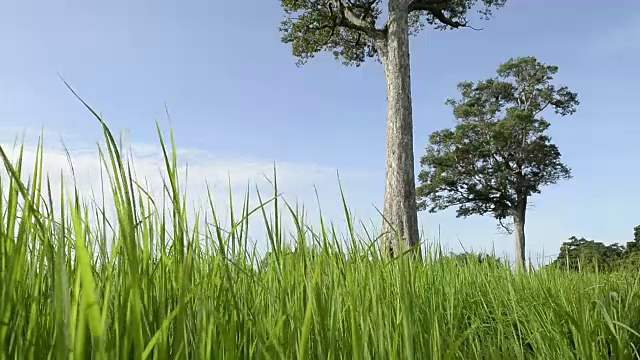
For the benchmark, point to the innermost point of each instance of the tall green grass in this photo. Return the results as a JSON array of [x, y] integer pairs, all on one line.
[[157, 284]]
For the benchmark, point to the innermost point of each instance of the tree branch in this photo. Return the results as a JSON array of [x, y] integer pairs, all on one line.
[[506, 227], [349, 19], [332, 25], [543, 108], [435, 8], [425, 5]]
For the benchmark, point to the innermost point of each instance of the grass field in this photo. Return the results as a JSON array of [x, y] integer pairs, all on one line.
[[154, 285]]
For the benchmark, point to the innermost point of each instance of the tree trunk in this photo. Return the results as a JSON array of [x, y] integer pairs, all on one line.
[[518, 223], [400, 209]]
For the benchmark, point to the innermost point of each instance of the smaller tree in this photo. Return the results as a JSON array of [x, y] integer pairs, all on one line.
[[498, 154]]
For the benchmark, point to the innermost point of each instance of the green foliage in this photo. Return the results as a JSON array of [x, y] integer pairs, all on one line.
[[630, 261], [139, 296], [588, 255], [473, 259], [349, 28], [311, 26], [631, 256], [499, 152]]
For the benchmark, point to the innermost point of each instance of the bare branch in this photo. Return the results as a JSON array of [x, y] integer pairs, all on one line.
[[506, 227]]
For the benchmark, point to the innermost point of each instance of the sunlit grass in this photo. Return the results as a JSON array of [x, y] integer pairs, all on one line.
[[156, 283]]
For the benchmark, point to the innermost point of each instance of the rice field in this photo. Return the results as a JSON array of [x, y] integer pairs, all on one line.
[[154, 283]]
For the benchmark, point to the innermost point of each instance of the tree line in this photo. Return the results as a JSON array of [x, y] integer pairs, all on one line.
[[590, 255], [575, 255]]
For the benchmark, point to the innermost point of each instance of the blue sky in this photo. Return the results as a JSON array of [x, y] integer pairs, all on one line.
[[238, 102]]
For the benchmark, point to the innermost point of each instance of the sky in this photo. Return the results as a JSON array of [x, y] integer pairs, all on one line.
[[238, 104]]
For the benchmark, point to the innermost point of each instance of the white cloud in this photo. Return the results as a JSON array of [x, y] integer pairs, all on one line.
[[296, 181]]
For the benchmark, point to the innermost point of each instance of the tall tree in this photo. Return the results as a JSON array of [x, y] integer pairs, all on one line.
[[354, 30], [498, 154]]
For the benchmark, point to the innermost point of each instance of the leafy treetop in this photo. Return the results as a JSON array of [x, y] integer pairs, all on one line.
[[498, 153], [349, 28]]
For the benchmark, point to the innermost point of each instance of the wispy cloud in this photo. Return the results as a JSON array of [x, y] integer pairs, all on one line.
[[200, 172]]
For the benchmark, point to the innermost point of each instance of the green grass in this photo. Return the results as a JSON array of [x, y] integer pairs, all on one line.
[[153, 285]]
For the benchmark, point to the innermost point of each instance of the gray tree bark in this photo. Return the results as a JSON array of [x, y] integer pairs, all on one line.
[[400, 224], [518, 224]]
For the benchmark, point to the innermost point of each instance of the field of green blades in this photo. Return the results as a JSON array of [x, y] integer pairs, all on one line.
[[152, 284]]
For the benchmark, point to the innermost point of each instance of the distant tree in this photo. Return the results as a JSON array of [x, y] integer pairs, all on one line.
[[631, 256], [352, 31], [634, 245], [465, 259], [636, 234], [498, 155], [588, 255]]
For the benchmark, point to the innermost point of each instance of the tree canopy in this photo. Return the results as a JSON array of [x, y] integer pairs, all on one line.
[[499, 151], [589, 255], [349, 29]]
